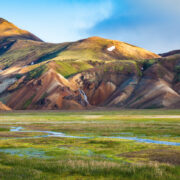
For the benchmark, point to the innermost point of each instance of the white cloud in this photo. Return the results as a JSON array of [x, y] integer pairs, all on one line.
[[161, 34], [73, 21], [57, 20], [151, 24]]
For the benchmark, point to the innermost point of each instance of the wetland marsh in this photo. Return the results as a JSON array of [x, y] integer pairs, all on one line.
[[124, 144]]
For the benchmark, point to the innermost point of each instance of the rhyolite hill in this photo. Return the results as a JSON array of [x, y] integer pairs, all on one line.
[[89, 73]]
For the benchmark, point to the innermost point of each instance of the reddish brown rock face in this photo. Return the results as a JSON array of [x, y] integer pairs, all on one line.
[[102, 93], [153, 89], [103, 85], [50, 91]]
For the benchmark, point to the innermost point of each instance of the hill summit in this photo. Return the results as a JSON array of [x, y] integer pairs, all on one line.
[[107, 49], [9, 30]]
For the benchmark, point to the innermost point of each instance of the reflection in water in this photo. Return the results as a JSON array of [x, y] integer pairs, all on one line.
[[29, 152]]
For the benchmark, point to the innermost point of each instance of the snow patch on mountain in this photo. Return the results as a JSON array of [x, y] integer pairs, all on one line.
[[111, 48]]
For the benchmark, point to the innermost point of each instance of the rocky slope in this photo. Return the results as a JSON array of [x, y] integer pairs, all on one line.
[[85, 74], [3, 107], [156, 86], [50, 91]]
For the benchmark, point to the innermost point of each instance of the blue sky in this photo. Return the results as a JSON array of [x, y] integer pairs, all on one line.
[[151, 24]]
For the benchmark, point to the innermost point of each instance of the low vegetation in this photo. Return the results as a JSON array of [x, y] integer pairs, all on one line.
[[68, 68], [33, 155], [37, 72]]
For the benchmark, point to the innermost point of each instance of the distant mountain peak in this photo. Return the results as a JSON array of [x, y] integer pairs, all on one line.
[[171, 53], [95, 38], [9, 30]]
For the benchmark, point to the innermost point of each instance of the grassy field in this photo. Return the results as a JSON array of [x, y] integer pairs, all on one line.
[[90, 145]]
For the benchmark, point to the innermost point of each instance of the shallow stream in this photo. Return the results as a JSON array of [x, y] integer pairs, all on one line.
[[59, 134]]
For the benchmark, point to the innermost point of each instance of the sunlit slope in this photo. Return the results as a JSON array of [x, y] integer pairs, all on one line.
[[8, 29], [96, 48], [21, 48], [25, 52], [3, 107]]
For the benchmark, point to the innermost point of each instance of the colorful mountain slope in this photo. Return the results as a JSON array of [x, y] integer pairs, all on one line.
[[88, 73], [145, 84], [49, 91], [3, 107]]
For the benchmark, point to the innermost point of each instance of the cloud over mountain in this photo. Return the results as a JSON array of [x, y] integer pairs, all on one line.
[[153, 24]]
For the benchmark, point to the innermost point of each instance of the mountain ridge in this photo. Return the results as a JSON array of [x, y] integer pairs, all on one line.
[[89, 73], [9, 30]]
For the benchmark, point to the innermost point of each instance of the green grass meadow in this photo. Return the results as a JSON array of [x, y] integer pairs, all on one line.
[[92, 150]]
